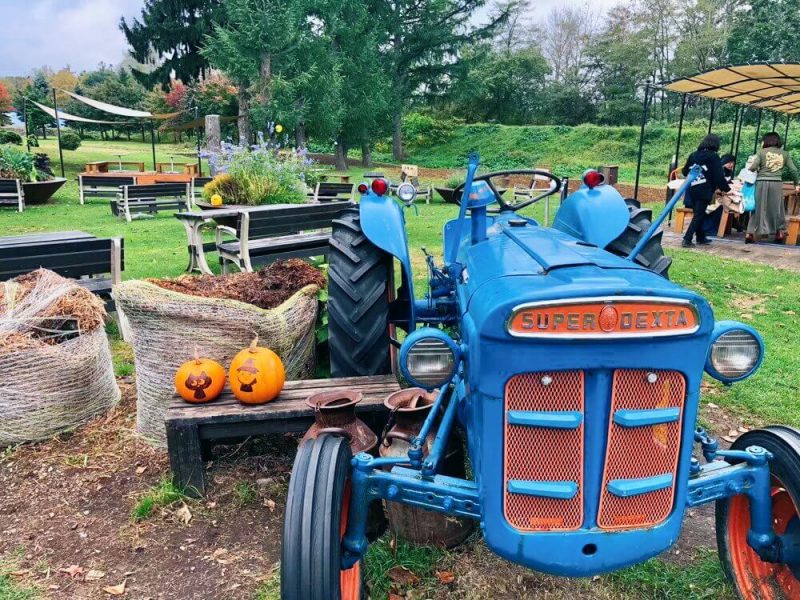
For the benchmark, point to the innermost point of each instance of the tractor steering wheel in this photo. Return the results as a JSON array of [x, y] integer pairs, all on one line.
[[535, 195]]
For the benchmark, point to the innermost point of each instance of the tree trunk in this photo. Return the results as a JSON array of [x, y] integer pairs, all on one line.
[[366, 155], [143, 140], [300, 135], [266, 79], [244, 120], [397, 136], [341, 156], [44, 132]]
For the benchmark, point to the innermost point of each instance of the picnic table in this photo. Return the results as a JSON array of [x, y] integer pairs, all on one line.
[[39, 238], [147, 177]]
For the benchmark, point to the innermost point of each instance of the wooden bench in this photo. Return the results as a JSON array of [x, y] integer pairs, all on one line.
[[151, 198], [263, 236], [102, 166], [102, 186], [794, 230], [97, 263], [193, 429], [680, 218], [327, 191], [12, 194]]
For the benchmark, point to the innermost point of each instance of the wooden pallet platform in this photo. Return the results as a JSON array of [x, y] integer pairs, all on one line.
[[192, 429]]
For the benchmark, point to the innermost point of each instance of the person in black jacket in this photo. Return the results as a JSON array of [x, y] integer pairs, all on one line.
[[701, 193]]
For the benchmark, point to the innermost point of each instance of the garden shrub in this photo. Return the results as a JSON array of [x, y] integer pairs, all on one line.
[[15, 163], [422, 130], [70, 140], [260, 176], [33, 141], [10, 137]]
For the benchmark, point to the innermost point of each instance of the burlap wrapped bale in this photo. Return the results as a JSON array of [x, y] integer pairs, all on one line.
[[54, 374], [164, 327]]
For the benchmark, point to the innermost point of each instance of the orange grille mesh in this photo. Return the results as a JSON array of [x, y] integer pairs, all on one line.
[[541, 454], [640, 452]]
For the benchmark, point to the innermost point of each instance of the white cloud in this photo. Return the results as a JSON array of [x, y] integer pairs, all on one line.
[[57, 33]]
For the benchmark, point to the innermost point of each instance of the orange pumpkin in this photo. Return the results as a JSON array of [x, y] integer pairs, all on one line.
[[200, 380], [256, 375]]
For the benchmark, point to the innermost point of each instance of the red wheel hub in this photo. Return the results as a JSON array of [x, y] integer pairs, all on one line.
[[756, 579]]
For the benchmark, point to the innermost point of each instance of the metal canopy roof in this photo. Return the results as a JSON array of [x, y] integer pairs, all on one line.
[[772, 86]]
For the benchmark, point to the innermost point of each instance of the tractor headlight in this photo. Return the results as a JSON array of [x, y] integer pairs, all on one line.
[[406, 192], [429, 358], [736, 352]]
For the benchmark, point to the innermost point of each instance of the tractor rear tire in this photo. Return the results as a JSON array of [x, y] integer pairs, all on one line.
[[652, 255], [314, 523], [752, 578], [358, 301]]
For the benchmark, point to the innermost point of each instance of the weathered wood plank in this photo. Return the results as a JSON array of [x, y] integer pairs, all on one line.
[[186, 458]]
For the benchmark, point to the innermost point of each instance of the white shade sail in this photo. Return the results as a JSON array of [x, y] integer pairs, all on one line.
[[120, 110], [61, 115]]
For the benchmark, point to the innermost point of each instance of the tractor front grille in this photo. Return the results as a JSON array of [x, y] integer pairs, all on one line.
[[544, 450], [644, 452], [544, 454]]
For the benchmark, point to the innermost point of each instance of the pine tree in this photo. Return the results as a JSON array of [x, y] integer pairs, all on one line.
[[765, 30], [169, 34], [38, 89]]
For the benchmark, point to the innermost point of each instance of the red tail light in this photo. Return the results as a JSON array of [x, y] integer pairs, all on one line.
[[593, 178], [363, 188], [380, 186]]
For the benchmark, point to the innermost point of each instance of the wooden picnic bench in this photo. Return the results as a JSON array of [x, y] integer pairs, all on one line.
[[193, 429], [102, 186], [96, 263], [262, 237], [12, 194], [151, 198], [328, 191], [102, 166]]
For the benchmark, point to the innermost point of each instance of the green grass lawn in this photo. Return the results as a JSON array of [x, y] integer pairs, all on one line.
[[767, 298]]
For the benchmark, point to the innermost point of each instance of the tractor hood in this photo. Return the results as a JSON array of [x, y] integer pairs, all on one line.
[[522, 263]]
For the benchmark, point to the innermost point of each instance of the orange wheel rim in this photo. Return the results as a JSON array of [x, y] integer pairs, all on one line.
[[349, 579], [756, 579]]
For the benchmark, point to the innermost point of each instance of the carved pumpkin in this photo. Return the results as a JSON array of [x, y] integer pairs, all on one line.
[[256, 375], [200, 380]]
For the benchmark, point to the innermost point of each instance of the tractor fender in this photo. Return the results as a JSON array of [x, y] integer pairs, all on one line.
[[596, 216], [384, 224]]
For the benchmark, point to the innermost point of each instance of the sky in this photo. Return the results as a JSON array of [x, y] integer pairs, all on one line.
[[82, 33]]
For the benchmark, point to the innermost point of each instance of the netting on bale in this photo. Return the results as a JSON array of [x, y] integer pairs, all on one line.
[[165, 326], [56, 370]]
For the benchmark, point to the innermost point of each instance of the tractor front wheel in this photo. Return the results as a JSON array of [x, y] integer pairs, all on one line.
[[752, 578], [359, 290], [315, 523]]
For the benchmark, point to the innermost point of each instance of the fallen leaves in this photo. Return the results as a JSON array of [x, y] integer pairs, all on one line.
[[74, 571], [445, 577], [115, 590], [94, 575], [403, 576]]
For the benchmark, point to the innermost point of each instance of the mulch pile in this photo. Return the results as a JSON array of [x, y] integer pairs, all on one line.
[[42, 308], [267, 288]]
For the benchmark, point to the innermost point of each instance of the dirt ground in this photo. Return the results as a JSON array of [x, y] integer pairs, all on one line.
[[66, 523]]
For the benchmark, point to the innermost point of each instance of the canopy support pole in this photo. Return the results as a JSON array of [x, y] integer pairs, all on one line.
[[735, 125], [25, 116], [711, 117], [645, 107], [738, 139], [677, 150], [774, 121], [758, 131], [786, 133], [153, 144], [58, 130], [197, 135]]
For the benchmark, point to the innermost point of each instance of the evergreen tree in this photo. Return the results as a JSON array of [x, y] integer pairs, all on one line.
[[169, 35], [37, 89], [425, 40]]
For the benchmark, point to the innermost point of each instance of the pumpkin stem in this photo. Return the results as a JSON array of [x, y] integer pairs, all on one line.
[[197, 360], [254, 344]]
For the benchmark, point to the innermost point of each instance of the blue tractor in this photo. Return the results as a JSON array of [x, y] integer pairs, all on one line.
[[574, 367]]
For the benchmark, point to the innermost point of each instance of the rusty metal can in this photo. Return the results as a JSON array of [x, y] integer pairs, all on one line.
[[335, 413], [409, 408]]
